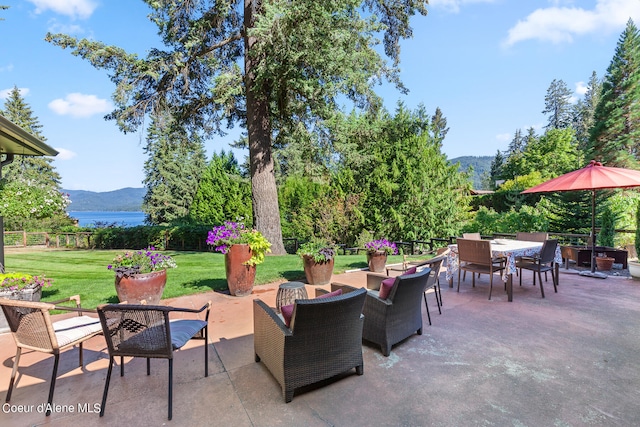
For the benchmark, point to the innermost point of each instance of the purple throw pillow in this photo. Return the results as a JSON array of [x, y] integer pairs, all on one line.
[[412, 270], [335, 293], [287, 312], [385, 287]]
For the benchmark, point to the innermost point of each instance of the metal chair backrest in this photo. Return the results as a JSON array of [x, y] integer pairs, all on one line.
[[472, 236], [474, 251], [537, 236], [548, 251]]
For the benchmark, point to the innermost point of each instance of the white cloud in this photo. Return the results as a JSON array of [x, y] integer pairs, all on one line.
[[72, 8], [6, 68], [80, 105], [64, 154], [454, 5], [561, 24], [4, 93], [504, 137], [581, 88]]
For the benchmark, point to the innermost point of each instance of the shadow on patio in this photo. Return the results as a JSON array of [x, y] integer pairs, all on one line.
[[568, 359]]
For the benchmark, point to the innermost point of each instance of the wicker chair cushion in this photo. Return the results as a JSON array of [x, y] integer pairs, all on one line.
[[75, 328], [287, 310], [183, 330]]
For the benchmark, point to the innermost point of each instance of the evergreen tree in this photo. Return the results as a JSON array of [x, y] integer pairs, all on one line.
[[439, 127], [172, 171], [615, 136], [584, 110], [558, 105], [496, 172], [223, 194], [517, 144], [298, 57], [37, 169], [30, 186]]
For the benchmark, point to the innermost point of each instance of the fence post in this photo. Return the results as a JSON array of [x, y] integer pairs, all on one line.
[[24, 238]]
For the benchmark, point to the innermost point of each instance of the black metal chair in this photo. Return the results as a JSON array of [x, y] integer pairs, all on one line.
[[145, 331], [541, 263]]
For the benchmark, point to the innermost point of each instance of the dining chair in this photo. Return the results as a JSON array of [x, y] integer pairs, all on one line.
[[536, 236], [475, 256], [543, 262], [33, 329], [472, 236], [138, 330]]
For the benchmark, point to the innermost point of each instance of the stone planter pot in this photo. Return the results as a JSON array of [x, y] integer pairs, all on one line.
[[23, 295], [604, 263], [377, 261], [240, 277], [317, 273], [634, 269], [138, 287]]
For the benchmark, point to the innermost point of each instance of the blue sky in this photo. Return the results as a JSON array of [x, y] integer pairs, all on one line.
[[486, 63]]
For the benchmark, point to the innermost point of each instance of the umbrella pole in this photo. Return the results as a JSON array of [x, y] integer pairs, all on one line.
[[593, 232]]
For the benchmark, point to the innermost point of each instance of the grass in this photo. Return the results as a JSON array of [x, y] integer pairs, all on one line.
[[84, 272]]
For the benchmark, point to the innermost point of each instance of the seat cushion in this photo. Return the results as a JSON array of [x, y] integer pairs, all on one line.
[[75, 328], [183, 330]]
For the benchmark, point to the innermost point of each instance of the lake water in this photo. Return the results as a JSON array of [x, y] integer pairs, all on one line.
[[90, 218]]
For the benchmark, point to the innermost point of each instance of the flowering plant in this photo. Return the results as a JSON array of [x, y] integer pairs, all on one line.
[[233, 233], [141, 261], [319, 250], [15, 282], [381, 245]]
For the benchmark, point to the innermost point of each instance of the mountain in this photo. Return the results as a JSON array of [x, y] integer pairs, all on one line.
[[481, 164], [125, 199]]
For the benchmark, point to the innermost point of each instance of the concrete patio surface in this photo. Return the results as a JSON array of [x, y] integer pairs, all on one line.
[[571, 359]]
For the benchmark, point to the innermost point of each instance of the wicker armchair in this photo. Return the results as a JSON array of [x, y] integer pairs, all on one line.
[[537, 236], [475, 256], [391, 320], [145, 331], [324, 339], [33, 329]]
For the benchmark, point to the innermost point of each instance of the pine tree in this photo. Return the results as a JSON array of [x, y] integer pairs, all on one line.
[[615, 137], [30, 186], [558, 105], [299, 58], [584, 110], [172, 171], [496, 172], [517, 144]]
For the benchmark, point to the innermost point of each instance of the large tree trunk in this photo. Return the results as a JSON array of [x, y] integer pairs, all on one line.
[[264, 193]]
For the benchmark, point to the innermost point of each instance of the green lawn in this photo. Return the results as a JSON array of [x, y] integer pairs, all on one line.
[[85, 272]]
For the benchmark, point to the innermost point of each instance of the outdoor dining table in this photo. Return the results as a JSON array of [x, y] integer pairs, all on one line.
[[508, 249]]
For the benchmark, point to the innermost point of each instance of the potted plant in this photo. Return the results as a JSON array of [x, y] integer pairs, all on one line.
[[633, 264], [141, 275], [21, 286], [377, 252], [317, 258], [243, 250]]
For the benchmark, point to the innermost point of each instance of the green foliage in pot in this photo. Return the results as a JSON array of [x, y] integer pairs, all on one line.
[[16, 282], [319, 250]]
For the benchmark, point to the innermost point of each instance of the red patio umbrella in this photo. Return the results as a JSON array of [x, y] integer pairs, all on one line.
[[592, 177]]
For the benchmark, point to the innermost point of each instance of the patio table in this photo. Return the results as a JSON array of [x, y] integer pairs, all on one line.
[[509, 249]]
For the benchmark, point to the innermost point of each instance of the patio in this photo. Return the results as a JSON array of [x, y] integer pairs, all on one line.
[[568, 359]]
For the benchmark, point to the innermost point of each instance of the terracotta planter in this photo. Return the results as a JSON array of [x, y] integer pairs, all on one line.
[[604, 263], [23, 295], [318, 273], [240, 277], [146, 286], [377, 261]]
